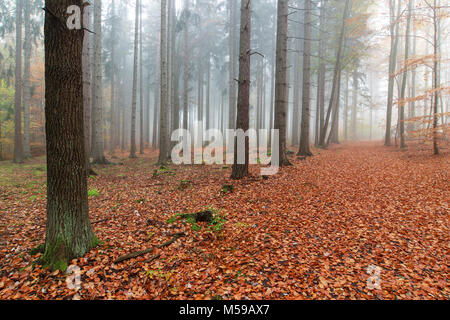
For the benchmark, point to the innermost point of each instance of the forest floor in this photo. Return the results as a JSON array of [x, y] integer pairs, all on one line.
[[310, 232]]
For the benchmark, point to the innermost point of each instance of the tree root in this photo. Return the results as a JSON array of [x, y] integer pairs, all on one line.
[[143, 252]]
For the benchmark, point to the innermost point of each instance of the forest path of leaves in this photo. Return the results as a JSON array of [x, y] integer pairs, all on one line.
[[310, 232]]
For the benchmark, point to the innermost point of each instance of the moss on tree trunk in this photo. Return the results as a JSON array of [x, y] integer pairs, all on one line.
[[68, 233]]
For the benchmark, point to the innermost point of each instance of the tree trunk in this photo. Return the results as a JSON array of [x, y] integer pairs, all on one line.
[[346, 106], [240, 171], [281, 79], [69, 233], [355, 103], [26, 81], [336, 74], [402, 102], [322, 71], [112, 128], [392, 67], [436, 85], [157, 98], [297, 87], [163, 135], [232, 67], [18, 143], [141, 84], [97, 108], [412, 104], [334, 135], [87, 88], [135, 74], [208, 92], [304, 149]]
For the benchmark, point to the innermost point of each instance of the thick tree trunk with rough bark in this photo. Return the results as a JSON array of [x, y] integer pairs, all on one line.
[[69, 233], [240, 171]]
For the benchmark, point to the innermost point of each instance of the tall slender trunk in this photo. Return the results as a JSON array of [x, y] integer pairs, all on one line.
[[402, 102], [135, 79], [281, 93], [200, 89], [394, 29], [304, 149], [240, 170], [355, 103], [69, 232], [436, 84], [157, 97], [336, 74], [87, 87], [346, 106], [412, 104], [141, 84], [113, 125], [208, 92], [272, 90], [174, 72], [232, 67], [97, 108], [297, 87], [334, 135], [26, 81], [322, 71], [163, 135], [18, 139]]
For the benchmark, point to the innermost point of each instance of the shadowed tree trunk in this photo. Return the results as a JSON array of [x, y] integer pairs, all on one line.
[[69, 233], [18, 142], [239, 170], [281, 93]]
